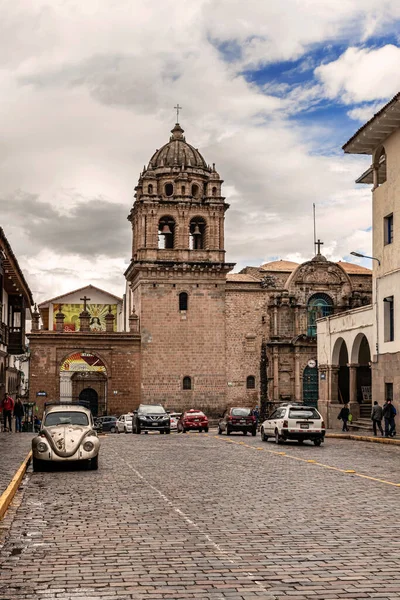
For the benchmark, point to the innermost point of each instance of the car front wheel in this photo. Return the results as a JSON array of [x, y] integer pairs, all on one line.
[[112, 430], [317, 442], [94, 463], [264, 438], [37, 464]]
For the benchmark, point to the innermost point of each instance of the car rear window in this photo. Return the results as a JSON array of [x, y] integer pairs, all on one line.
[[66, 418], [304, 413], [128, 418], [241, 412]]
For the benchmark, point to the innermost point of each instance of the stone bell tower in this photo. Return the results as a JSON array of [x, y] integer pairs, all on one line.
[[176, 278]]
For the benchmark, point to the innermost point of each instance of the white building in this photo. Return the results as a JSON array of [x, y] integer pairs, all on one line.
[[379, 325]]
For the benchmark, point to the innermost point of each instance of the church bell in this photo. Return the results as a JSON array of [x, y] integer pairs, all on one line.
[[166, 230], [197, 230]]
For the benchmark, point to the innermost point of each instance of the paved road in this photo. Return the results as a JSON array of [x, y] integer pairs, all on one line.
[[210, 517]]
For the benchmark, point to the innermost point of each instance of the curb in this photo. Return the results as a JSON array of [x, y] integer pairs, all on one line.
[[363, 438], [7, 497]]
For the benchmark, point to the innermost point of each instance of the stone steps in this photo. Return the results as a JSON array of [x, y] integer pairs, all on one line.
[[362, 424]]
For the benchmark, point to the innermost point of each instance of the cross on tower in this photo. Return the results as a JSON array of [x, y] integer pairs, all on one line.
[[177, 108], [84, 300], [319, 244]]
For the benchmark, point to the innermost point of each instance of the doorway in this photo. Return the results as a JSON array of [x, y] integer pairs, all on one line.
[[310, 386], [90, 398]]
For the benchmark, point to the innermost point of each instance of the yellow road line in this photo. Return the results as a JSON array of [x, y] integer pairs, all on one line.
[[310, 461], [7, 496]]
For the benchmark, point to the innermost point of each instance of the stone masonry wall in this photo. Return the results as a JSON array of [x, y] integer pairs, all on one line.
[[120, 353]]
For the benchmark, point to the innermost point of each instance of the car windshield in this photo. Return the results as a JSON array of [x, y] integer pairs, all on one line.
[[66, 418], [241, 412], [152, 410], [303, 413]]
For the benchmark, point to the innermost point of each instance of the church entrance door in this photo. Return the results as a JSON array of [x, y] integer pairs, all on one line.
[[310, 386], [89, 397]]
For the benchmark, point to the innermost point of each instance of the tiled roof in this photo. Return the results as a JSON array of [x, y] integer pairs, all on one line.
[[286, 266], [241, 277], [354, 269], [376, 130]]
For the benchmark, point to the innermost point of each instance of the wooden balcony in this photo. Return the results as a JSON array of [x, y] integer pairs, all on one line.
[[16, 339], [3, 334]]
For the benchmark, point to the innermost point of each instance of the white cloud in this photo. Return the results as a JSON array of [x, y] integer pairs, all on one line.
[[87, 95], [362, 74]]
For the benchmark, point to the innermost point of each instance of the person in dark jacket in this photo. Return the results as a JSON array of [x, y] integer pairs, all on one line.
[[344, 416], [389, 413], [18, 414], [376, 416]]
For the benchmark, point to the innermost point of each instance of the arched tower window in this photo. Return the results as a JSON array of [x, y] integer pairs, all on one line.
[[319, 305], [251, 382], [187, 383], [183, 301], [166, 232], [197, 231], [169, 189], [183, 190], [150, 189], [214, 191], [195, 190]]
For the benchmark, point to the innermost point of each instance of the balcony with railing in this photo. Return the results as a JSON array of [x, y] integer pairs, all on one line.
[[3, 334], [16, 340]]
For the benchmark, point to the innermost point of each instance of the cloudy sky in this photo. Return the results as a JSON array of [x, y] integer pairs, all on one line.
[[270, 92]]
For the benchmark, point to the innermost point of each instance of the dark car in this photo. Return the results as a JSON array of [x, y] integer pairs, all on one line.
[[106, 424], [151, 417], [238, 419], [192, 419]]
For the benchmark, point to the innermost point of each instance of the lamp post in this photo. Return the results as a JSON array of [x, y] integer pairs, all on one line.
[[364, 256]]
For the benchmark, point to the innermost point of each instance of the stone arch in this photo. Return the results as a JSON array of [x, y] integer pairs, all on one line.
[[336, 350], [166, 232], [197, 233], [361, 345], [82, 369]]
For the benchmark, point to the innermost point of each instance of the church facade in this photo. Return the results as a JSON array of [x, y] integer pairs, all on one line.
[[189, 332]]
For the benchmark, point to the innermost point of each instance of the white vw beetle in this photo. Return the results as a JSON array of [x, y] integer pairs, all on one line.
[[67, 434]]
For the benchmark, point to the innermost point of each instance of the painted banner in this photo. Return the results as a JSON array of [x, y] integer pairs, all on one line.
[[97, 316], [83, 361]]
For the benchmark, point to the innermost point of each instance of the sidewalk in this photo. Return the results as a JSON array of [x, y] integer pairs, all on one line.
[[362, 437], [14, 448]]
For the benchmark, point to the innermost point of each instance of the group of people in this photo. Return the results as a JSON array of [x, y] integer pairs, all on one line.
[[386, 412], [10, 409]]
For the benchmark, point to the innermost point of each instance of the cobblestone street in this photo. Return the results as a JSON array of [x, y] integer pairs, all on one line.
[[209, 517]]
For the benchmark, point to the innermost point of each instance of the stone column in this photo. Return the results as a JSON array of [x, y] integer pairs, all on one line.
[[35, 319], [275, 321], [134, 322], [84, 321], [333, 384], [297, 387], [276, 373], [109, 318], [353, 404], [60, 320], [296, 320]]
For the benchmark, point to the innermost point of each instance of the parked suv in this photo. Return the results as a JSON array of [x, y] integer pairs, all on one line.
[[151, 417], [294, 422], [238, 419], [106, 424]]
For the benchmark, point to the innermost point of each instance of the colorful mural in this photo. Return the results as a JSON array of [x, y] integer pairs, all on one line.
[[83, 361], [97, 316]]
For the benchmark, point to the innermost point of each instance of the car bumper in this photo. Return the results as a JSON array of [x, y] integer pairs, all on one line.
[[195, 425], [151, 427], [238, 427], [51, 456], [302, 434]]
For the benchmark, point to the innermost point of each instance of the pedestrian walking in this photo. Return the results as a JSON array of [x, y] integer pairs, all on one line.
[[344, 416], [376, 416], [7, 406], [389, 413], [256, 414], [18, 414]]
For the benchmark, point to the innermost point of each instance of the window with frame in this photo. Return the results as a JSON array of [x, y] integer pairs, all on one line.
[[319, 305], [388, 229], [251, 382], [389, 391], [388, 318], [183, 301], [187, 383]]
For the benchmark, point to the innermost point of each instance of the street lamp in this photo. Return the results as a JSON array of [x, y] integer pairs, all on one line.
[[364, 256]]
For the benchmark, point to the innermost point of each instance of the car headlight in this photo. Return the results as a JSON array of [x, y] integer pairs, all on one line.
[[41, 447], [88, 446]]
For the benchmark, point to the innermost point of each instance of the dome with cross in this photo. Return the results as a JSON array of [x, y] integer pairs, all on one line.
[[178, 153]]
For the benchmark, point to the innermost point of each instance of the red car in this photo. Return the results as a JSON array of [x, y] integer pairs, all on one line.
[[238, 419], [192, 419]]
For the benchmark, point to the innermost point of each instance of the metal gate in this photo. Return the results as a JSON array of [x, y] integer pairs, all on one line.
[[310, 386]]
